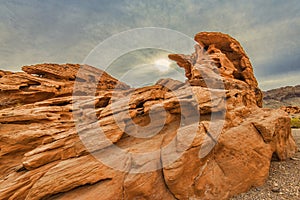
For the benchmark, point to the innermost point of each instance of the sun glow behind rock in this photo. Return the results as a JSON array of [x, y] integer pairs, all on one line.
[[163, 65]]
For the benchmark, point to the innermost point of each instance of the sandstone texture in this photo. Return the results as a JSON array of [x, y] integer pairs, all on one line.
[[215, 140], [291, 110]]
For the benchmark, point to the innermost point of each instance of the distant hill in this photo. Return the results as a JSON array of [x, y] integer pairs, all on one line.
[[284, 96]]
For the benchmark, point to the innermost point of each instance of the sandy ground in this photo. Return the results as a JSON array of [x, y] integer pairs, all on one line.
[[283, 182]]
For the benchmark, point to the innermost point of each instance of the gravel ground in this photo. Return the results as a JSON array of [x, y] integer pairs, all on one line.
[[283, 181]]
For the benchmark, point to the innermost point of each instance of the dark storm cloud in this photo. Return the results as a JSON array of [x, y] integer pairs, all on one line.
[[280, 64], [60, 31]]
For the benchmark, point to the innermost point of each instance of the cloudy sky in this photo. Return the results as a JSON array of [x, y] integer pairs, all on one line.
[[61, 31]]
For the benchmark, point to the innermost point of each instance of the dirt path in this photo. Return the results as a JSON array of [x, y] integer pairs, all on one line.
[[283, 182]]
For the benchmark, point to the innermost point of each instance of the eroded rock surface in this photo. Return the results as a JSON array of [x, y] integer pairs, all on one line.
[[50, 147], [292, 110]]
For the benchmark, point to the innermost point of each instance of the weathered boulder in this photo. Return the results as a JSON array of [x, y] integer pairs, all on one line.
[[207, 138], [227, 54], [292, 110]]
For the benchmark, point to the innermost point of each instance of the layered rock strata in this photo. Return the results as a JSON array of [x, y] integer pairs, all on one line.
[[214, 141]]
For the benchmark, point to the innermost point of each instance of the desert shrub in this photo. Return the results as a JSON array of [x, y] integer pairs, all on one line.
[[295, 122]]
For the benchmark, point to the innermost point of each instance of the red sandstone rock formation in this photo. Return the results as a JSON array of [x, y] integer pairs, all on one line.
[[292, 110], [42, 156]]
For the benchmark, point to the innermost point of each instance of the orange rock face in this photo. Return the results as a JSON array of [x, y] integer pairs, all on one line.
[[292, 110], [51, 149]]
